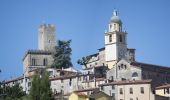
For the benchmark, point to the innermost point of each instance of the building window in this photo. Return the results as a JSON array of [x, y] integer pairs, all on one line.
[[102, 88], [110, 26], [33, 62], [121, 91], [166, 90], [61, 81], [135, 74], [79, 78], [131, 91], [110, 38], [113, 96], [120, 38], [113, 87], [142, 90], [119, 67], [125, 66], [70, 81], [45, 62], [111, 78], [55, 92], [114, 26], [131, 98]]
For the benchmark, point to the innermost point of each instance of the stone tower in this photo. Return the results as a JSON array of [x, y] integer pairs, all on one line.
[[115, 41], [46, 37]]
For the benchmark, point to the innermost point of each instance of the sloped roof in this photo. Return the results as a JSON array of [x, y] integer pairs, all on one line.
[[152, 67], [126, 82], [37, 52], [85, 90], [163, 86]]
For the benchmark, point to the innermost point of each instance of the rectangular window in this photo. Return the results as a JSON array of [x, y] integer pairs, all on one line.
[[120, 38], [110, 38], [131, 90], [113, 96], [142, 90], [61, 81], [70, 81], [33, 62], [102, 88], [121, 91], [131, 98], [166, 90], [45, 62], [113, 87]]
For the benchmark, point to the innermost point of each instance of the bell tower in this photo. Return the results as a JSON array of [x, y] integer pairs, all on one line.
[[115, 41]]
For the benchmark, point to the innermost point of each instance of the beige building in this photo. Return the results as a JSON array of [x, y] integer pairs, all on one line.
[[129, 90], [163, 90], [134, 90], [78, 96], [100, 96]]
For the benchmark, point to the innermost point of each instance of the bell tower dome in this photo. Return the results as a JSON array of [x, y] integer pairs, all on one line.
[[115, 23]]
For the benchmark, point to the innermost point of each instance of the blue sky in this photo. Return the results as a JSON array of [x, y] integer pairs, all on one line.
[[83, 21]]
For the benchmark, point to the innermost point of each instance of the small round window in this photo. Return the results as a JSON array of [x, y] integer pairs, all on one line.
[[135, 74]]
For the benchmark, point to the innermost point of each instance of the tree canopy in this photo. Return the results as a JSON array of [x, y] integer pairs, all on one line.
[[62, 55], [84, 61], [40, 89], [11, 92]]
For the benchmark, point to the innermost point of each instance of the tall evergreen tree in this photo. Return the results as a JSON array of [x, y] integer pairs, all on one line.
[[40, 89], [35, 88], [45, 93], [62, 55]]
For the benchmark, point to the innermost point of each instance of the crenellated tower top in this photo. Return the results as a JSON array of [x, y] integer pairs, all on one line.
[[46, 37]]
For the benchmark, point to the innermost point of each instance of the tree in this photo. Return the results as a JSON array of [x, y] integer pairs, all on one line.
[[12, 93], [35, 88], [45, 92], [62, 55], [84, 61], [40, 89]]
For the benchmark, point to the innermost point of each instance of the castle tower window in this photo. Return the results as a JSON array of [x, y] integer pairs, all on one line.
[[33, 62], [45, 62], [110, 38]]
